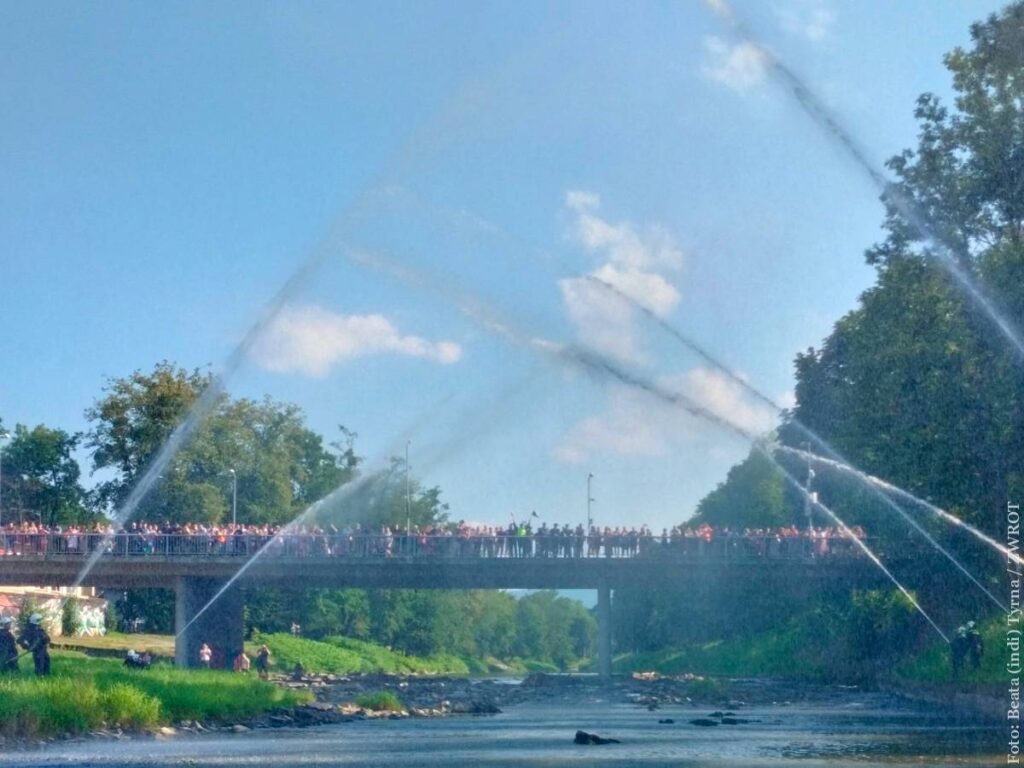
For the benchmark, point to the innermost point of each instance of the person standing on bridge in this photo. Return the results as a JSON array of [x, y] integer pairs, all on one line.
[[36, 640], [8, 647]]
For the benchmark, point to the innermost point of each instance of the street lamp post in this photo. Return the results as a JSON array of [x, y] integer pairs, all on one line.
[[234, 497], [590, 500], [408, 500], [4, 435]]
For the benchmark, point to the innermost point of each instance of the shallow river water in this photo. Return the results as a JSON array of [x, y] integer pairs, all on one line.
[[855, 731]]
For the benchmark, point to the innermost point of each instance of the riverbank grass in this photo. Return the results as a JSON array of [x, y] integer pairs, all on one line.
[[380, 701], [85, 694], [345, 656]]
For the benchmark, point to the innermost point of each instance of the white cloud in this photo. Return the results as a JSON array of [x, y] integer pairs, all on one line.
[[634, 259], [625, 429], [740, 67], [725, 398], [809, 20], [311, 340], [636, 424]]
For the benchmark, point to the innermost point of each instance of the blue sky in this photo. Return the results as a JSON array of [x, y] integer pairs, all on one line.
[[165, 168]]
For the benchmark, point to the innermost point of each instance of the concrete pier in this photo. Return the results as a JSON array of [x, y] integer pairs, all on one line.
[[604, 631], [221, 627]]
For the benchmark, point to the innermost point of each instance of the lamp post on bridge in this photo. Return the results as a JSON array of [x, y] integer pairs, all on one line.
[[590, 500], [4, 435], [408, 499], [234, 497]]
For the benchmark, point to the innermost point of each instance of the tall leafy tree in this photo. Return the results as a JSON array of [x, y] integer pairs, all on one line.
[[916, 384], [279, 464], [41, 477]]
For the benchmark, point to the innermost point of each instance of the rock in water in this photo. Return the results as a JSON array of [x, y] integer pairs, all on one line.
[[666, 721], [582, 737], [474, 708], [704, 721]]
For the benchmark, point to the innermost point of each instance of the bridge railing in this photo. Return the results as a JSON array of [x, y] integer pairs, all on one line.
[[310, 545]]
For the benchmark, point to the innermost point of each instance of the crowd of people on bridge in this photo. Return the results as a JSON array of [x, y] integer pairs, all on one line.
[[516, 540]]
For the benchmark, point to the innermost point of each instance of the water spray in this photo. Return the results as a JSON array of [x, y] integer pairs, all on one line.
[[470, 425], [890, 488], [466, 100], [594, 362], [589, 359], [815, 108], [870, 483], [853, 537]]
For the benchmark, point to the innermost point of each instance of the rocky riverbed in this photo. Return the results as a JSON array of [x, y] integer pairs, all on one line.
[[692, 700]]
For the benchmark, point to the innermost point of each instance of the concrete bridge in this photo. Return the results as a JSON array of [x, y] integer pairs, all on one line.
[[197, 569]]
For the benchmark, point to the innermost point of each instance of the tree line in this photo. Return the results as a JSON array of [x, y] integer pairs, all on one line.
[[914, 385], [280, 467]]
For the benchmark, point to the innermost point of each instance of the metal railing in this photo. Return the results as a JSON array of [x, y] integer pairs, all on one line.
[[312, 545]]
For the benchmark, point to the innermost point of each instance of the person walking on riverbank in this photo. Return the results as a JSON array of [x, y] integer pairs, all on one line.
[[205, 656], [8, 647], [242, 663], [36, 640]]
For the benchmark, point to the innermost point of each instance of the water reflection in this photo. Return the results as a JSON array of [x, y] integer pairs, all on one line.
[[873, 734]]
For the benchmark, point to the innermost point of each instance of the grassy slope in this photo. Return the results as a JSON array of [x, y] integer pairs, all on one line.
[[933, 666], [792, 653], [338, 655], [777, 654], [87, 693], [161, 645]]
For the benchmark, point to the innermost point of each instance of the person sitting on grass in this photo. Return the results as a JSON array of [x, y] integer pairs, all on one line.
[[8, 646], [135, 660]]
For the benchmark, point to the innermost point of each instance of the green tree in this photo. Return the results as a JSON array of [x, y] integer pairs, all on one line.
[[280, 464], [915, 384], [381, 499], [41, 478], [134, 418], [752, 495]]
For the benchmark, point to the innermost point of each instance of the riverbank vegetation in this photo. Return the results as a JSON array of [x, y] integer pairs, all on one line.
[[85, 694], [873, 638], [914, 385], [380, 701]]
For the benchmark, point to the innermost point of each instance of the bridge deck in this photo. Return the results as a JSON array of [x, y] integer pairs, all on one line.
[[416, 572]]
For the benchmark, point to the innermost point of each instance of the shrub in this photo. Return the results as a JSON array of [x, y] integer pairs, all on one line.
[[126, 706], [380, 701], [71, 617]]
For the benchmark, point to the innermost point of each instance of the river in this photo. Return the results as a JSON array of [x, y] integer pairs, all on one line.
[[848, 729]]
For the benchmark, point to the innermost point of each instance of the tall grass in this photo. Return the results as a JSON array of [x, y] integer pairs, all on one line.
[[87, 693], [343, 656], [380, 701]]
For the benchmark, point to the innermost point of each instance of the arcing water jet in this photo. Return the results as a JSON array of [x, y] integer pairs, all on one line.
[[595, 363], [889, 487], [806, 431], [815, 108], [856, 539]]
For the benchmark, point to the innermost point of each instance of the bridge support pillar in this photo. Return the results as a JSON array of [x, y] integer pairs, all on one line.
[[221, 627], [604, 631]]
